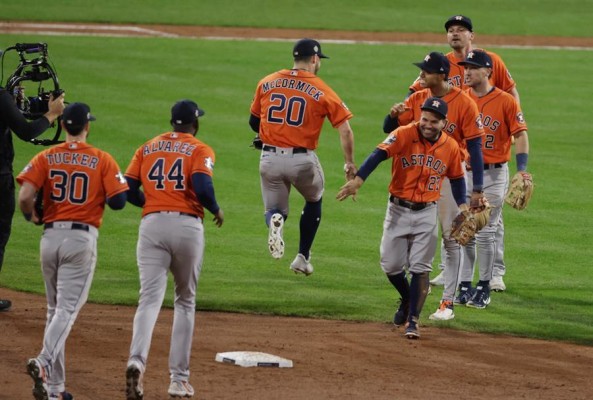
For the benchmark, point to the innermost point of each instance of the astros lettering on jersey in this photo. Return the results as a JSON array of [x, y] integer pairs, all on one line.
[[287, 100], [80, 178], [502, 117], [164, 164], [418, 165]]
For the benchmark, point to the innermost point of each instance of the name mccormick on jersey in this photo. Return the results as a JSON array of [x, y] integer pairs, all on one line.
[[169, 146], [295, 84]]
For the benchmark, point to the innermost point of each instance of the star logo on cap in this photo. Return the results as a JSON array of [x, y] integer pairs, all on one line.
[[459, 17], [316, 49], [436, 104], [427, 58], [470, 54]]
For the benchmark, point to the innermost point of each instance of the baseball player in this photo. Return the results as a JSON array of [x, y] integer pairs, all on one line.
[[423, 155], [175, 170], [465, 126], [503, 119], [460, 36], [77, 180], [11, 119], [288, 111]]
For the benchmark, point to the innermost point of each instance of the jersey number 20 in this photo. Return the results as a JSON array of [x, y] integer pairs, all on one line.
[[291, 111]]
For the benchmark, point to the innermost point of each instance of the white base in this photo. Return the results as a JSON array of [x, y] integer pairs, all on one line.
[[253, 359]]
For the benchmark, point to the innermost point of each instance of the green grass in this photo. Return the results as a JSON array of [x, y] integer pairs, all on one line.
[[131, 85], [503, 17]]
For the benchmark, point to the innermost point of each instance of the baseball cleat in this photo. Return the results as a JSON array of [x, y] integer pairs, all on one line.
[[134, 387], [444, 312], [497, 284], [275, 241], [5, 305], [37, 372], [301, 265], [438, 280], [61, 396], [401, 315], [179, 389], [480, 299], [412, 330], [466, 292]]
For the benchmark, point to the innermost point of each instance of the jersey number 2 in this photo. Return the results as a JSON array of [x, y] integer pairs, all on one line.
[[158, 175]]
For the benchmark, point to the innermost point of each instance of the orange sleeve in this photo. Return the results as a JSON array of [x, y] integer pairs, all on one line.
[[133, 170], [203, 160], [516, 121], [113, 180], [455, 170], [413, 102], [501, 77], [34, 172]]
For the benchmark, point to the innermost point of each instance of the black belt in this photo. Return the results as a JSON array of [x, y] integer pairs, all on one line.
[[295, 150], [174, 212], [490, 166], [74, 225], [409, 204]]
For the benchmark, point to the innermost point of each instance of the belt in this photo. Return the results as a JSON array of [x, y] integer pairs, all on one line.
[[496, 165], [410, 204], [73, 225], [295, 150], [175, 213]]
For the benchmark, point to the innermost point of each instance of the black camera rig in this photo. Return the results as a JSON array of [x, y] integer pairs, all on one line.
[[34, 66]]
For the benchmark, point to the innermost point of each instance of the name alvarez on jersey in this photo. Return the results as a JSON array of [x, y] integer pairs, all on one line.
[[169, 147]]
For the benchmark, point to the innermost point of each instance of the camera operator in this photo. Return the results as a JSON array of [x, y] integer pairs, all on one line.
[[11, 119]]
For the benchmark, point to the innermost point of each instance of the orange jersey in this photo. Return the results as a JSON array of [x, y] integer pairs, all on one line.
[[76, 178], [501, 77], [292, 105], [164, 166], [502, 117], [463, 117], [418, 165]]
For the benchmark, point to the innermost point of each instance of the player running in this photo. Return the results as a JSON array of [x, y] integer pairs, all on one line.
[[77, 180], [175, 170]]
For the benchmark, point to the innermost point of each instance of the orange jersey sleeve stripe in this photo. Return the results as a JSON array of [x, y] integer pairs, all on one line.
[[418, 166], [76, 179], [164, 166], [292, 106]]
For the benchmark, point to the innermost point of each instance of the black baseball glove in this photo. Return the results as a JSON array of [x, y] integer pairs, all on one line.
[[38, 206], [256, 143]]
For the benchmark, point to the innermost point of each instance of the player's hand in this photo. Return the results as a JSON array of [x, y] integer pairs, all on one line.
[[397, 110], [218, 218], [350, 189], [350, 171], [477, 202]]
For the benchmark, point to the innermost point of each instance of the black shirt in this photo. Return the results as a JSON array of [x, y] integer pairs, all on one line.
[[11, 119]]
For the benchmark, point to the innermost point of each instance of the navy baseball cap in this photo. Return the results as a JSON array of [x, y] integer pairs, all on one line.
[[185, 112], [435, 63], [478, 58], [307, 47], [459, 20], [436, 105], [77, 114]]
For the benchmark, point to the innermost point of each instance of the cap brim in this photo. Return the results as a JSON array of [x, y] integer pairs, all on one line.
[[201, 112], [464, 24], [321, 55], [434, 111], [472, 63], [92, 118]]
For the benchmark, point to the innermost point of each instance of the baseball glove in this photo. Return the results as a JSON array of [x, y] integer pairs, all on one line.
[[256, 143], [520, 190], [467, 224]]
